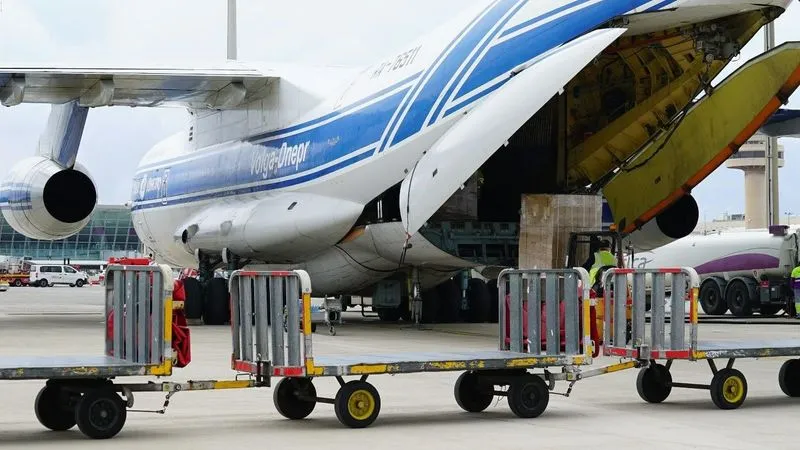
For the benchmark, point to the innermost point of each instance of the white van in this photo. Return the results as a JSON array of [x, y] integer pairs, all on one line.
[[49, 274]]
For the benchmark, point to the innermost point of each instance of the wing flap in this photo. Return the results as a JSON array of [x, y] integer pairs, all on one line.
[[716, 127], [478, 135], [210, 87]]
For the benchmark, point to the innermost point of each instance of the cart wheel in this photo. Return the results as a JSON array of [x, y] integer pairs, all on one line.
[[528, 396], [52, 409], [789, 378], [728, 389], [100, 413], [357, 404], [472, 395], [654, 383], [286, 397]]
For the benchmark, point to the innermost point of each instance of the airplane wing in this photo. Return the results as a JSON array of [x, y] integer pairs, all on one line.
[[784, 123], [224, 87]]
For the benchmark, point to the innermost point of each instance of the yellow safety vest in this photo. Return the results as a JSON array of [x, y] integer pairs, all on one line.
[[602, 258], [796, 272]]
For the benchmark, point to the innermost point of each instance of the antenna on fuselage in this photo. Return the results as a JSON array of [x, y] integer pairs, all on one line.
[[231, 29]]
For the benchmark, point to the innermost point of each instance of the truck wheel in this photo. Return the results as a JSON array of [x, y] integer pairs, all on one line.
[[18, 283], [711, 299], [738, 297]]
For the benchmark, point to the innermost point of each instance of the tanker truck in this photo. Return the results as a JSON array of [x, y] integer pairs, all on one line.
[[741, 272]]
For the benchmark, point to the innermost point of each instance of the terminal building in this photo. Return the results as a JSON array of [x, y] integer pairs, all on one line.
[[109, 233]]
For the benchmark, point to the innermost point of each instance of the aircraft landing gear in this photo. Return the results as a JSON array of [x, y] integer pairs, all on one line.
[[207, 296]]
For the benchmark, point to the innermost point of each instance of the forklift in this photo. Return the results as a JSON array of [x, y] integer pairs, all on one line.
[[590, 242]]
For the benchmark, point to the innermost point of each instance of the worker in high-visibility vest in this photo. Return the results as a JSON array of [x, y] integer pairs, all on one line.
[[796, 288], [602, 258]]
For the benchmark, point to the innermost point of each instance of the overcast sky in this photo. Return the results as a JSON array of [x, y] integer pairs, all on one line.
[[342, 32]]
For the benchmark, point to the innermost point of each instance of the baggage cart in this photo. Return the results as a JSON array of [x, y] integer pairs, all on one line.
[[675, 339], [265, 351], [139, 321]]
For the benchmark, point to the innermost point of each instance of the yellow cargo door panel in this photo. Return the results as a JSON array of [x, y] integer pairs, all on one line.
[[712, 130]]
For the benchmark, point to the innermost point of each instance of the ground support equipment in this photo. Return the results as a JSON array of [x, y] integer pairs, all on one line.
[[669, 340], [333, 313], [357, 403], [139, 342]]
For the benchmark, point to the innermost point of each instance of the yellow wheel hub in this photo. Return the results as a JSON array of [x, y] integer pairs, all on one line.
[[733, 389], [361, 404]]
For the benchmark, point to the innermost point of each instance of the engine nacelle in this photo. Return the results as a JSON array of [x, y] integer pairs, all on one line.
[[676, 222], [42, 200]]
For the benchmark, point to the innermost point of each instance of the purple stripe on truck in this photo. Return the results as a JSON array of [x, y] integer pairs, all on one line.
[[747, 261]]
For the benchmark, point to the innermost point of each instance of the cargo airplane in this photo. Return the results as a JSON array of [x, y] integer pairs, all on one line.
[[410, 170]]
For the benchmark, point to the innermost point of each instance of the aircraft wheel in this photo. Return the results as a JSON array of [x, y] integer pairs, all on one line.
[[478, 298], [449, 302], [217, 305], [193, 305], [494, 313]]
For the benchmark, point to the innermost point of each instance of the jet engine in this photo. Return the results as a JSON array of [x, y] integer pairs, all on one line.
[[676, 222], [43, 200]]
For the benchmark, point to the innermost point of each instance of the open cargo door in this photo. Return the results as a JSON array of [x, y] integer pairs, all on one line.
[[712, 130], [479, 134]]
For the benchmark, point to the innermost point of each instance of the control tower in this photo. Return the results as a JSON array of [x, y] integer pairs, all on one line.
[[751, 159]]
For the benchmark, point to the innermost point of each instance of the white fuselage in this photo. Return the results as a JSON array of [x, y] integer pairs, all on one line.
[[332, 149]]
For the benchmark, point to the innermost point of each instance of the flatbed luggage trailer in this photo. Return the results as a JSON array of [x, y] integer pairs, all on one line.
[[256, 303], [81, 390], [675, 338]]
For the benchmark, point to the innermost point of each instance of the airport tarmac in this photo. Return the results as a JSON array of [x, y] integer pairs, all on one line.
[[418, 411]]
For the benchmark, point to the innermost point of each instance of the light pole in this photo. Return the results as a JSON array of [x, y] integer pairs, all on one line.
[[232, 29], [771, 166]]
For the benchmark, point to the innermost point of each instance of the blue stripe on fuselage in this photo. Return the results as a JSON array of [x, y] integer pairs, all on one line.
[[263, 163], [335, 145], [443, 99], [661, 5], [253, 189], [425, 76], [423, 104], [505, 56]]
